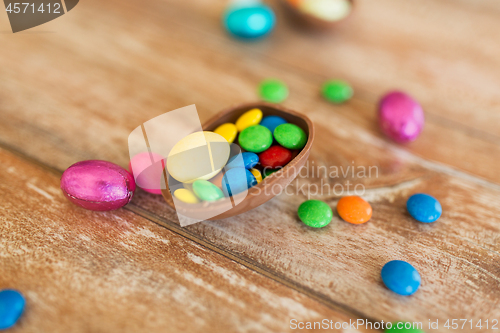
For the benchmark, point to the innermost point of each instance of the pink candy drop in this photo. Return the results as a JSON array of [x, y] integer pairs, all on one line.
[[400, 116], [98, 185], [147, 169]]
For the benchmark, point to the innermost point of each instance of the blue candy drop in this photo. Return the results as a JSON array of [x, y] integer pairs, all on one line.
[[271, 122], [249, 22], [11, 307], [236, 181], [249, 161], [424, 208], [401, 277]]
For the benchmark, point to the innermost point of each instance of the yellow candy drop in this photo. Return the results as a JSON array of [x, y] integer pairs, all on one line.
[[186, 196], [256, 173], [249, 118], [228, 131], [200, 155]]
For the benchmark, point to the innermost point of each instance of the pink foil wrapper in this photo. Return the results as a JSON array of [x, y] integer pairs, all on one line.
[[401, 118], [98, 185]]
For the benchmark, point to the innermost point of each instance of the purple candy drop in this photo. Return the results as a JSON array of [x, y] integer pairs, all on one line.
[[98, 185], [400, 116]]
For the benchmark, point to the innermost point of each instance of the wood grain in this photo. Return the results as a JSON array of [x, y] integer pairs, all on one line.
[[100, 76], [442, 52], [457, 257], [114, 63], [84, 271]]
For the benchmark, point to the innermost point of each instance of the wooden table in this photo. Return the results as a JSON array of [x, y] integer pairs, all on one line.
[[74, 88]]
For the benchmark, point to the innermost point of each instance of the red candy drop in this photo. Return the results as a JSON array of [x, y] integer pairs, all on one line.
[[275, 157]]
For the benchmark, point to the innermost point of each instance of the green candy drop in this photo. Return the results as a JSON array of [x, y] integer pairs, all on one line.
[[268, 172], [255, 138], [394, 329], [336, 91], [274, 91], [206, 190], [315, 213], [290, 136]]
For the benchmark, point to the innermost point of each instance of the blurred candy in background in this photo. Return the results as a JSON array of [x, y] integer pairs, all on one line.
[[327, 10], [248, 19], [253, 19]]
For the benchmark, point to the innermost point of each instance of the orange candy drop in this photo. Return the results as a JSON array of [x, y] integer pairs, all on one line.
[[354, 209]]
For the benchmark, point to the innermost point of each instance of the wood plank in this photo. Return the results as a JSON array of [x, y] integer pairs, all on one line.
[[110, 81], [458, 256], [114, 271], [442, 52]]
